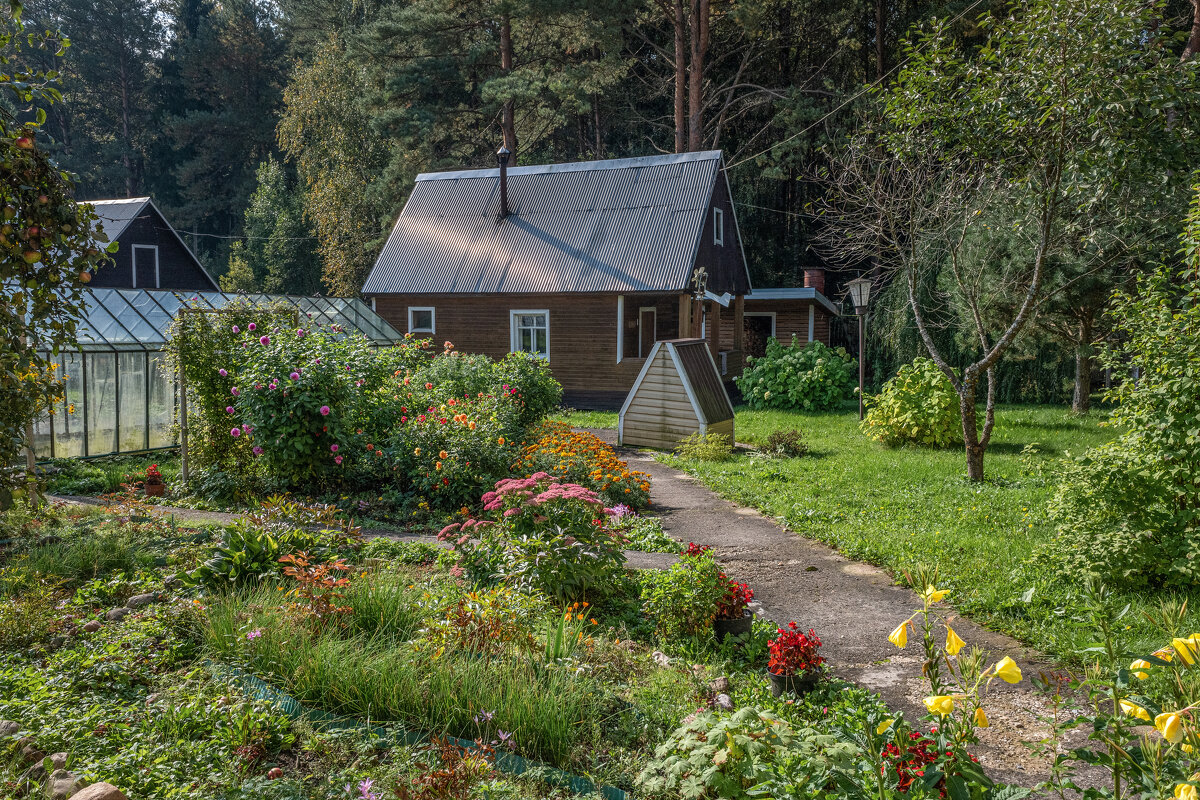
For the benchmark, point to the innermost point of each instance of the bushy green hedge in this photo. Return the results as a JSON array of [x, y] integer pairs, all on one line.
[[795, 377], [918, 406]]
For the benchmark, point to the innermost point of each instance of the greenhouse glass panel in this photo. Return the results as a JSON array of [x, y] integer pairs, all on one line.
[[68, 422], [132, 413], [161, 414], [100, 412]]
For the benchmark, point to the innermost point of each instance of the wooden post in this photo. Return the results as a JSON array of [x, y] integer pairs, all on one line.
[[739, 323], [183, 427], [714, 330], [685, 316], [697, 319]]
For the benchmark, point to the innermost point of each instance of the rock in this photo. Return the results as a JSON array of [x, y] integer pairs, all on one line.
[[661, 658], [8, 728], [93, 626], [172, 582], [116, 614], [723, 702], [141, 600], [38, 771], [720, 685], [100, 791], [30, 754], [61, 785]]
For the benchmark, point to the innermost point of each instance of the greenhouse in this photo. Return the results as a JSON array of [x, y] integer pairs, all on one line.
[[118, 397]]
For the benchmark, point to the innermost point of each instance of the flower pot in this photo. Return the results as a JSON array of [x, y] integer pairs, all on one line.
[[155, 489], [796, 684], [733, 627]]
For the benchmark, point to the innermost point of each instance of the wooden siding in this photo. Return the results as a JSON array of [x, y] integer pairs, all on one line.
[[725, 265], [583, 334], [791, 319], [659, 414], [177, 268]]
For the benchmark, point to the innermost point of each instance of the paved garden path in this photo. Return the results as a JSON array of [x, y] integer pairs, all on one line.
[[853, 607]]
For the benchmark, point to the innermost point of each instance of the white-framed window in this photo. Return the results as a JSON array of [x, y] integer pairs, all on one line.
[[421, 319], [718, 226], [145, 259], [765, 315], [530, 331]]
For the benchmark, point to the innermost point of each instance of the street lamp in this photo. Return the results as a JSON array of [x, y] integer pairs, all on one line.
[[859, 290]]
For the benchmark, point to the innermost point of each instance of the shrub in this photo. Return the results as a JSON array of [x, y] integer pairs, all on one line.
[[547, 537], [682, 600], [713, 756], [918, 406], [585, 459], [785, 444], [248, 554], [809, 377], [530, 383], [644, 534], [1129, 511], [706, 447]]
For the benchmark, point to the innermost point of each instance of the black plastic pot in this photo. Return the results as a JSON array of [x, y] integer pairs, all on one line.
[[796, 684], [733, 627]]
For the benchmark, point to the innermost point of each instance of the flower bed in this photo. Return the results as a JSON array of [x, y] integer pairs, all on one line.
[[586, 459]]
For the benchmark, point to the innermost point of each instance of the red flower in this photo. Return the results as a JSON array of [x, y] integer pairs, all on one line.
[[793, 652]]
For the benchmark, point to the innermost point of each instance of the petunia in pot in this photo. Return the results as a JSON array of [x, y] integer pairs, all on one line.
[[795, 665], [733, 610]]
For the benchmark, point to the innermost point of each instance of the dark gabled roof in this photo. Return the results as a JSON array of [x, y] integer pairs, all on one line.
[[117, 215], [625, 225]]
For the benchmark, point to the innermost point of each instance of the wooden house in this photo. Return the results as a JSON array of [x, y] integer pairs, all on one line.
[[678, 392], [151, 254], [587, 265]]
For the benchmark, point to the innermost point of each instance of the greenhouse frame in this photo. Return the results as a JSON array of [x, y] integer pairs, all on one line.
[[118, 397]]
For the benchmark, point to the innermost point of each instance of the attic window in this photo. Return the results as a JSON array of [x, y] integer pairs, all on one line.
[[718, 226], [420, 319]]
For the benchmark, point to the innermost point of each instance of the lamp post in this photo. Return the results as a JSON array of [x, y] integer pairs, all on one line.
[[859, 290]]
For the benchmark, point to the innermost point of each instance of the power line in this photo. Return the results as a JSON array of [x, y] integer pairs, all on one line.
[[848, 100], [255, 238]]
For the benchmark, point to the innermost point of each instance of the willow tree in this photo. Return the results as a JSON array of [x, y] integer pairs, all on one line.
[[1045, 127]]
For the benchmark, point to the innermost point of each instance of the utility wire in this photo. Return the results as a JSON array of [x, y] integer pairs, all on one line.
[[255, 238], [849, 99]]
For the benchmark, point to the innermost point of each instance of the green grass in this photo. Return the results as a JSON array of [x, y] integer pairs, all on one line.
[[899, 508], [586, 419]]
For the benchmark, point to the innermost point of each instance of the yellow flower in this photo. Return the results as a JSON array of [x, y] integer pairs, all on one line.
[[438, 465], [1165, 653], [981, 720], [1188, 649], [953, 642], [1170, 726], [933, 595], [1185, 791], [1134, 710], [417, 451], [1139, 665], [1007, 670], [941, 704], [883, 726], [443, 455], [899, 637]]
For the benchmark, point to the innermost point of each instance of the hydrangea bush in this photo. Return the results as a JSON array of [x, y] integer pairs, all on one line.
[[798, 377]]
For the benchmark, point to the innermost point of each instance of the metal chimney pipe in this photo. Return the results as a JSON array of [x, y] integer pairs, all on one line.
[[502, 156]]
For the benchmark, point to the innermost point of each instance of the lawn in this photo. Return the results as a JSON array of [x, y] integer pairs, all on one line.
[[899, 508]]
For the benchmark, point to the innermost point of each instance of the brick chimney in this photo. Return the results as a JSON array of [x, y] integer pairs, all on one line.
[[815, 279]]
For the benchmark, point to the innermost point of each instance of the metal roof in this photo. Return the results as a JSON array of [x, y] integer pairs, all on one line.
[[140, 319], [115, 215], [624, 225], [806, 293]]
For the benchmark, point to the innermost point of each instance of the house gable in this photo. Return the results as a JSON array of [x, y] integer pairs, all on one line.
[[150, 253]]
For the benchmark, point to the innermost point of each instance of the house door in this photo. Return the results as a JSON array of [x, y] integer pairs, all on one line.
[[647, 321]]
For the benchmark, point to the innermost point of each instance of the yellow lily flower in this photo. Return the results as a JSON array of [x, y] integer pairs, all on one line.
[[981, 720], [1007, 670], [1187, 748], [941, 704], [953, 642], [933, 595], [883, 726], [1170, 726], [1139, 665], [899, 637], [1134, 710], [1185, 791], [1165, 653], [1188, 649]]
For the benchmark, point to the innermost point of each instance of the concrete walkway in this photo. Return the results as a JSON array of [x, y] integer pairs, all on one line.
[[853, 607]]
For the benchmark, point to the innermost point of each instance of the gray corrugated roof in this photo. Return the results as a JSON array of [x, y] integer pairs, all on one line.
[[115, 215], [798, 293], [625, 225]]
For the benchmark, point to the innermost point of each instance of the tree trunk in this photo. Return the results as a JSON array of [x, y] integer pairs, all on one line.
[[970, 429], [1081, 401], [699, 35], [507, 123], [680, 78], [1193, 44]]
